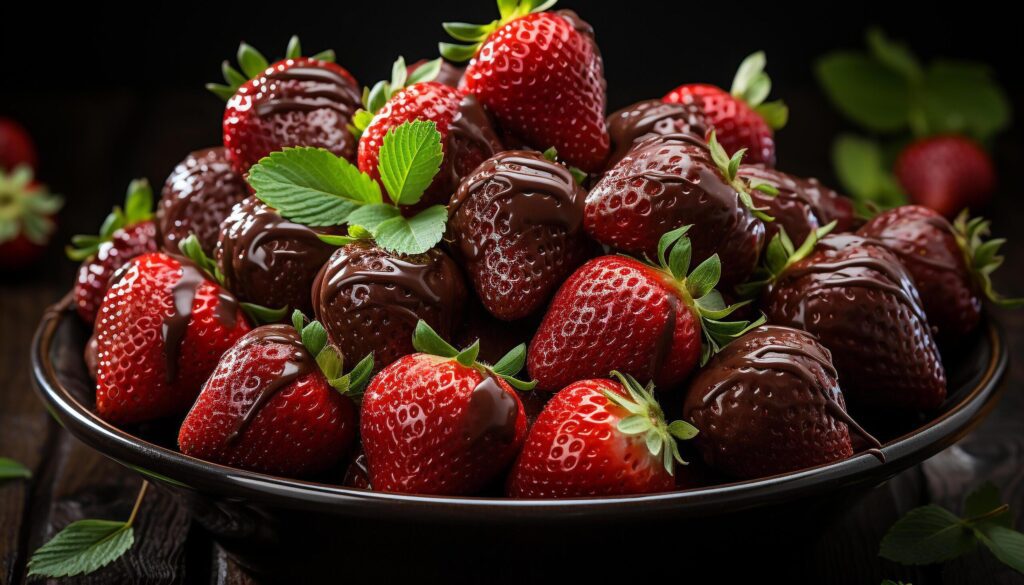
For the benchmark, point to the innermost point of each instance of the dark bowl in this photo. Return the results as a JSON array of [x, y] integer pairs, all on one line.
[[293, 530]]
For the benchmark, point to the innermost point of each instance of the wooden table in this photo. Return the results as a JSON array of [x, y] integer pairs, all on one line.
[[71, 482]]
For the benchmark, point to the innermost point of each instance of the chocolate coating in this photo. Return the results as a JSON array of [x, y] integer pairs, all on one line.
[[196, 198], [269, 260], [370, 300], [802, 205], [634, 122]]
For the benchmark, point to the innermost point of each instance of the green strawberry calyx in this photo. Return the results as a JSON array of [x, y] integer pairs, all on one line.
[[578, 175], [253, 64], [138, 207], [697, 288], [647, 418], [26, 207], [730, 168], [982, 256], [779, 255], [330, 360], [426, 340], [374, 98], [476, 34], [752, 85]]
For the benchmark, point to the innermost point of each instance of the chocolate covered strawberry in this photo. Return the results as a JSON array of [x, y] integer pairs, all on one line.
[[27, 211], [277, 403], [467, 136], [946, 173], [599, 437], [740, 117], [856, 297], [298, 101], [197, 197], [655, 322], [669, 181], [769, 403], [629, 125], [441, 422], [161, 329], [950, 264], [797, 205], [126, 233], [517, 225], [541, 75]]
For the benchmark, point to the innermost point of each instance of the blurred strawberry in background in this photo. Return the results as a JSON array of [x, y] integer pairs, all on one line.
[[930, 126], [27, 209], [16, 146]]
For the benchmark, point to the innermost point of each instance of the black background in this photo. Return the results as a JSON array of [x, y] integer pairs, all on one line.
[[111, 93]]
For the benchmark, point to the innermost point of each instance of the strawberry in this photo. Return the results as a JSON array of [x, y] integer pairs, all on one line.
[[669, 181], [126, 233], [370, 300], [298, 101], [741, 118], [798, 205], [159, 333], [617, 313], [946, 173], [448, 74], [856, 297], [599, 438], [516, 223], [467, 136], [950, 264], [541, 75], [27, 213], [440, 422], [769, 403], [197, 197], [16, 146], [631, 124], [277, 403]]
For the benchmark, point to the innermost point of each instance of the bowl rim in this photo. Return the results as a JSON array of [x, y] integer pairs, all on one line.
[[181, 471]]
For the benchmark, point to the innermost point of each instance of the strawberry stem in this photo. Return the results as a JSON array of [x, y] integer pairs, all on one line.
[[426, 340]]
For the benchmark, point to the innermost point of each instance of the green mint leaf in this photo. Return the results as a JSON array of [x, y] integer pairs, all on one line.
[[82, 547], [775, 114], [261, 315], [925, 535], [410, 156], [253, 63], [704, 277], [512, 362], [984, 499], [294, 50], [371, 216], [467, 357], [312, 186], [11, 469], [866, 91], [426, 340], [414, 235], [425, 72], [961, 97], [894, 55], [1005, 543]]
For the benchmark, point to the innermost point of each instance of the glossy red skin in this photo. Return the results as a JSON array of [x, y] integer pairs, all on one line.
[[16, 146], [613, 314], [543, 79], [94, 273], [924, 242], [801, 206], [575, 450], [735, 123], [946, 173], [250, 136], [131, 377], [306, 427], [413, 424]]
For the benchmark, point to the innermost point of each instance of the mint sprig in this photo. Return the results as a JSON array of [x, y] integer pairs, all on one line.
[[253, 64], [426, 340], [933, 534], [11, 469], [315, 187], [330, 360], [138, 207], [85, 546]]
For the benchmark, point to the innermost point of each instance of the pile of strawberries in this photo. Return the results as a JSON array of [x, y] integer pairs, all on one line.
[[352, 285]]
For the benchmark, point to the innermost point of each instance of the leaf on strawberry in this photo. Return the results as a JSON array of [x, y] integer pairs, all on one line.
[[253, 64], [647, 418], [138, 207], [476, 34], [426, 340]]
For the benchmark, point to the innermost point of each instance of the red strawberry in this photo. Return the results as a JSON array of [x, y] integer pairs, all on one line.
[[633, 123], [599, 438], [800, 206], [516, 222], [541, 75], [950, 264], [277, 403], [467, 136], [770, 403], [16, 146], [126, 233], [741, 118], [160, 331], [298, 101], [669, 181], [859, 301], [946, 173], [439, 422], [27, 213], [197, 197], [617, 313], [370, 300]]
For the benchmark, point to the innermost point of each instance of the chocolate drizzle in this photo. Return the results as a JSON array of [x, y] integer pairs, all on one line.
[[627, 126], [802, 205], [470, 139], [492, 412], [666, 337], [322, 88]]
